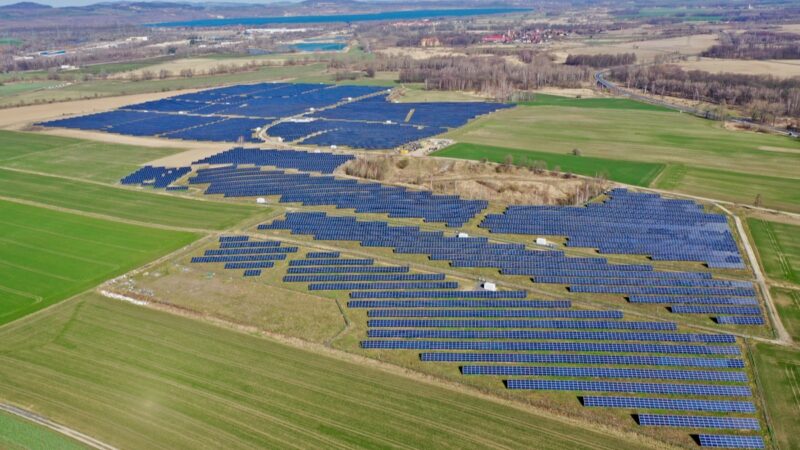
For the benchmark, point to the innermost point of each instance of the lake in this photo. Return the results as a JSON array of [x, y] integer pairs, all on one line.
[[388, 15]]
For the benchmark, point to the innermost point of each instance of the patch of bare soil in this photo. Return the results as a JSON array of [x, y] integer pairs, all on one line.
[[476, 180]]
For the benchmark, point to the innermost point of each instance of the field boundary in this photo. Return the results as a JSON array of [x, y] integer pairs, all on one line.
[[58, 428]]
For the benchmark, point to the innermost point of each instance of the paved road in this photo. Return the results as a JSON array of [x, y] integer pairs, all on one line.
[[66, 431]]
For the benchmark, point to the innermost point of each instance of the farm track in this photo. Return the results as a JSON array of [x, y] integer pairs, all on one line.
[[61, 429]]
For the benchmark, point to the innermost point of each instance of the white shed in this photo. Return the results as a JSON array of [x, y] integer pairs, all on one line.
[[487, 286], [261, 200], [463, 235], [542, 241]]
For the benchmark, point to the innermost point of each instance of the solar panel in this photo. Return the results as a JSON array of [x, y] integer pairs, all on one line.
[[603, 372], [730, 441], [552, 347], [643, 388], [737, 423], [679, 404], [584, 359]]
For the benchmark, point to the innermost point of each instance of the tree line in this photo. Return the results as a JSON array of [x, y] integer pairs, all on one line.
[[491, 75], [602, 60], [756, 45], [763, 97]]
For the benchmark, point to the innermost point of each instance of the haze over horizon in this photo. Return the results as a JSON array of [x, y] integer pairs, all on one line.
[[62, 3]]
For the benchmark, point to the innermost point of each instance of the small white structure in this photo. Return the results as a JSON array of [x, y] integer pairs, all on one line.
[[388, 122], [542, 241], [349, 99], [261, 200], [317, 151], [488, 286], [463, 235], [334, 147]]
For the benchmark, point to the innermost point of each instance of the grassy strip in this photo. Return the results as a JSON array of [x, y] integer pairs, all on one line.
[[779, 371], [636, 173], [788, 303], [779, 247], [79, 158], [138, 378], [47, 256], [18, 433], [594, 103], [123, 203]]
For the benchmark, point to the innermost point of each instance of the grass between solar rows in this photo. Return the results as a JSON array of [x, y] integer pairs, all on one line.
[[19, 434], [779, 372], [80, 158], [734, 165], [138, 378], [47, 256], [629, 172], [778, 246], [123, 204]]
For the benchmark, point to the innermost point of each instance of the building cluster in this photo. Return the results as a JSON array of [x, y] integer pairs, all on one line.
[[534, 36]]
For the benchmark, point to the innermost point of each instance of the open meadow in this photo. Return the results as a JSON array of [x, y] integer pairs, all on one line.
[[19, 434], [779, 248], [702, 158], [779, 373], [47, 256], [95, 364], [79, 158], [123, 204]]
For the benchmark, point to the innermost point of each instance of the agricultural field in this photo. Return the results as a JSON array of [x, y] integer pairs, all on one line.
[[95, 364], [702, 157], [19, 434], [784, 68], [645, 49], [123, 204], [779, 248], [787, 301], [78, 158], [48, 256], [630, 172], [779, 373]]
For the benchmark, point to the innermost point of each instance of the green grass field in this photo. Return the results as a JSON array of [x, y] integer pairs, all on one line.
[[79, 158], [19, 434], [47, 256], [596, 103], [138, 378], [637, 173], [787, 301], [779, 248], [125, 204], [779, 372], [7, 90], [709, 159]]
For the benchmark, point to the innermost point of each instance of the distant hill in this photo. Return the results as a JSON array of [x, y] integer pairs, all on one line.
[[30, 6]]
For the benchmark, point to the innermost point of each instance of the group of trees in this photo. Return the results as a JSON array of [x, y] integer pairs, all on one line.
[[756, 45], [602, 60], [764, 97], [491, 75]]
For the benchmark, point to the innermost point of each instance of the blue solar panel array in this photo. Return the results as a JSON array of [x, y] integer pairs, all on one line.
[[730, 441], [639, 282], [442, 114], [232, 114], [630, 223], [630, 387], [363, 197], [637, 360], [676, 404], [239, 252], [284, 159], [737, 423], [157, 177]]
